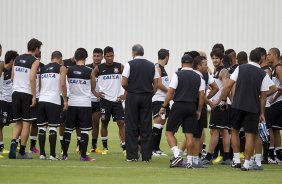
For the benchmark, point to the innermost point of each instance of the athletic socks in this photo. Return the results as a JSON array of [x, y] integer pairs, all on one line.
[[83, 143], [66, 143], [105, 142], [94, 143], [33, 140], [247, 164], [123, 146], [258, 159], [236, 158], [278, 153], [42, 139], [52, 141], [209, 156], [22, 149], [156, 136], [226, 156], [242, 141], [175, 151], [189, 159], [271, 153], [196, 159]]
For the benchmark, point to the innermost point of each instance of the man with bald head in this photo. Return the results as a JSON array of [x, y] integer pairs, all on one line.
[[139, 79]]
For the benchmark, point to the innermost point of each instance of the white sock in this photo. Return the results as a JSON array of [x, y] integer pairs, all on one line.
[[61, 138], [236, 158], [78, 138], [196, 159], [33, 137], [158, 126], [258, 159], [175, 151], [189, 159], [247, 164]]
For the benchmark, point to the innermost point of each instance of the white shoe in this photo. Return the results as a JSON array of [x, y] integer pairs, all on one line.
[[155, 154], [161, 153], [53, 158], [42, 157], [271, 161]]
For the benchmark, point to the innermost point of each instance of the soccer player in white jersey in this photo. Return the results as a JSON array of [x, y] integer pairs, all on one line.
[[81, 81], [53, 82], [111, 97], [6, 96], [24, 96], [158, 99]]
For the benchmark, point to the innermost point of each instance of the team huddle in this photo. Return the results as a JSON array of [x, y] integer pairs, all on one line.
[[244, 98]]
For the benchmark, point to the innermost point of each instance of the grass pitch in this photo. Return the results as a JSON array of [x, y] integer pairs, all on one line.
[[112, 168]]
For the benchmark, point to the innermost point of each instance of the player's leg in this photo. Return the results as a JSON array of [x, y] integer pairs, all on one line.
[[95, 125]]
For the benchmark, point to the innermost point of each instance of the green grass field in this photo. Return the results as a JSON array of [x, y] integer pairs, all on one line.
[[112, 168]]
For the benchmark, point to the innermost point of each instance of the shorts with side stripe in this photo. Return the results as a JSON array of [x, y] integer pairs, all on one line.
[[48, 114], [79, 117], [156, 106], [21, 106], [34, 112], [275, 116]]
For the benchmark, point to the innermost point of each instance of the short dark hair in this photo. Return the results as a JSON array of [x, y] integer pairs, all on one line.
[[229, 51], [194, 54], [242, 57], [186, 58], [108, 49], [217, 52], [226, 60], [33, 44], [56, 54], [138, 49], [218, 46], [98, 50], [80, 55], [198, 61], [10, 55], [275, 51], [255, 55], [262, 51], [163, 53], [83, 50]]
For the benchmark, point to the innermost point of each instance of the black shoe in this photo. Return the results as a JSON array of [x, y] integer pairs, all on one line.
[[235, 165], [244, 169], [175, 161]]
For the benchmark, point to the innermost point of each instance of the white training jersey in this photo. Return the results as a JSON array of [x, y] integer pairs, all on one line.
[[160, 95], [50, 84], [109, 80], [7, 85], [22, 67], [79, 86]]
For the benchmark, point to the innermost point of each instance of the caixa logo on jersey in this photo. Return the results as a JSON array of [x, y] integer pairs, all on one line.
[[21, 69], [77, 81], [107, 77]]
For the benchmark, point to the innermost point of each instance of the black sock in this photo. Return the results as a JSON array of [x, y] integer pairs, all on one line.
[[94, 143], [265, 150], [242, 141], [22, 149], [32, 143], [158, 139], [271, 153], [209, 156], [278, 154], [123, 146], [66, 143], [220, 144], [42, 139], [226, 156], [105, 143], [83, 144], [52, 141], [1, 147], [155, 135]]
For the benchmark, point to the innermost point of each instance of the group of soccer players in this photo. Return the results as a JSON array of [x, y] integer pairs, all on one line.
[[72, 95]]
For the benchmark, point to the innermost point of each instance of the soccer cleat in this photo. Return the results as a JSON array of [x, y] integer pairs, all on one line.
[[244, 168], [42, 157], [278, 161], [200, 165], [175, 161], [131, 160], [24, 156], [87, 158], [54, 158], [235, 165], [1, 156], [4, 151], [255, 167], [271, 160], [226, 162], [34, 150], [189, 166], [96, 150], [105, 151], [207, 162], [64, 157], [13, 149], [217, 160], [161, 153]]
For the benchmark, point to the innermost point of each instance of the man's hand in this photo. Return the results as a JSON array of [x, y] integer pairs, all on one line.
[[261, 118], [65, 106], [162, 110], [33, 102], [100, 95], [198, 114], [121, 98]]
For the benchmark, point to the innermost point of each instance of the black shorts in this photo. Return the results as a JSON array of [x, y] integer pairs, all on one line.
[[182, 114], [202, 122], [275, 116], [95, 107], [79, 117], [156, 106], [246, 120], [220, 119], [21, 106], [48, 114], [34, 112], [267, 117], [63, 114], [109, 108], [6, 116]]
